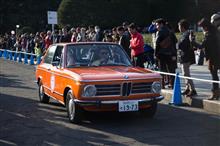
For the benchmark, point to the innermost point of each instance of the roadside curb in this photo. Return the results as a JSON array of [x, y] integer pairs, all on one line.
[[198, 102], [212, 106]]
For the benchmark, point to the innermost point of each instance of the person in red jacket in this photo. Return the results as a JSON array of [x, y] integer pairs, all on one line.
[[137, 46]]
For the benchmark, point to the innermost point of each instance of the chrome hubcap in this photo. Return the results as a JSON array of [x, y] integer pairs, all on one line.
[[71, 107], [41, 91]]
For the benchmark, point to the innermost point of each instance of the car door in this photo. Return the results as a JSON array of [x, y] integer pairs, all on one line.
[[57, 77], [47, 67]]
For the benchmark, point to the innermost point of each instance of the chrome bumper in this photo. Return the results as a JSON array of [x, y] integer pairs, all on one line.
[[115, 102]]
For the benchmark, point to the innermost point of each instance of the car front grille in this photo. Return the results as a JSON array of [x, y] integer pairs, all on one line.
[[124, 89], [108, 90], [141, 88]]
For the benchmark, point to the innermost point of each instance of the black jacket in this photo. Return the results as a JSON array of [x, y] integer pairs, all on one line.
[[186, 52], [124, 41], [212, 47], [160, 36]]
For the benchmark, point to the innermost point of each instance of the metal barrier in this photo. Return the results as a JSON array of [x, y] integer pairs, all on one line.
[[26, 58]]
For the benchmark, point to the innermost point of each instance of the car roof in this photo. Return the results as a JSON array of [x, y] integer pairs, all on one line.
[[86, 43]]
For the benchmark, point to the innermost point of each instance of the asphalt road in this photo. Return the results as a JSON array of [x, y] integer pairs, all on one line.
[[25, 121]]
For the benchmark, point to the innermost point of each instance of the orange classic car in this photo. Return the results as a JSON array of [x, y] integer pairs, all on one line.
[[96, 77]]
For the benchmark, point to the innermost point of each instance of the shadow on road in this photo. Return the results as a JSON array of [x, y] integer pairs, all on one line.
[[25, 121], [11, 81]]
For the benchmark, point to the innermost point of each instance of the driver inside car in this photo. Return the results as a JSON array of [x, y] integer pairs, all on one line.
[[70, 59], [102, 58]]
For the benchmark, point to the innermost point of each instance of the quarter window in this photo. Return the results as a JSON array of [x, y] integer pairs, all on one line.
[[57, 54], [49, 56]]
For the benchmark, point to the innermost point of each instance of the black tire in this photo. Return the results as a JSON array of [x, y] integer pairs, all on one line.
[[74, 111], [149, 112], [42, 96]]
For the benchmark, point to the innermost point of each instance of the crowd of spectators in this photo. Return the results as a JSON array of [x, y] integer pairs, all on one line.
[[27, 42]]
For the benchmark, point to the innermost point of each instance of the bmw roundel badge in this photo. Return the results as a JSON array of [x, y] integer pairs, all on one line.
[[126, 77]]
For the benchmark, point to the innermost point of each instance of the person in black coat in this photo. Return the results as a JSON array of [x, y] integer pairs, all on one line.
[[165, 51], [65, 37], [212, 53], [124, 40]]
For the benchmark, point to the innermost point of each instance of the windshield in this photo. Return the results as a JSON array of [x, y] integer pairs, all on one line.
[[96, 55]]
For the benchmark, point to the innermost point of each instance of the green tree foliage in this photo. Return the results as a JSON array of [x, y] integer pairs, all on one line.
[[109, 13], [101, 12], [31, 13], [106, 13]]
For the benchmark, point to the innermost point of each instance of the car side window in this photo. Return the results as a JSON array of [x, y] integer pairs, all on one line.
[[58, 53], [50, 54]]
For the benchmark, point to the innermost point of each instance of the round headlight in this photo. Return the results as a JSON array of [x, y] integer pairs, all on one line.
[[89, 91], [156, 87]]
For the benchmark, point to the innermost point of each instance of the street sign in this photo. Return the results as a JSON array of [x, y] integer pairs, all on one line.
[[52, 17]]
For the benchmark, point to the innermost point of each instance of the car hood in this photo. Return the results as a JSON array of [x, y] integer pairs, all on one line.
[[111, 73]]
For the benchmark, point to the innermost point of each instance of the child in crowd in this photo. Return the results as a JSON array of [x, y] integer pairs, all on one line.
[[37, 50]]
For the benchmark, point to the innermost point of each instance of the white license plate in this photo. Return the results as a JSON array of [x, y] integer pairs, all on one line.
[[128, 105]]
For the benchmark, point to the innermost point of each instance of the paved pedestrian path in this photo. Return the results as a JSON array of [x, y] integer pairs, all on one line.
[[203, 90]]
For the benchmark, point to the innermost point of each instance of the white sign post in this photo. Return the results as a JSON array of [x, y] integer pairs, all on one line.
[[52, 19]]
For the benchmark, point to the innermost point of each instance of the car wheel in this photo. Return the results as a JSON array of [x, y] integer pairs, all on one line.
[[74, 111], [42, 96], [149, 112]]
